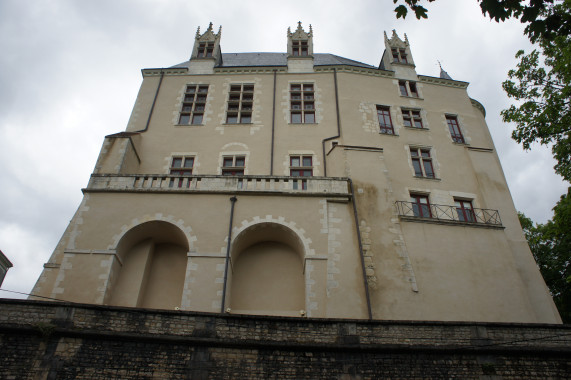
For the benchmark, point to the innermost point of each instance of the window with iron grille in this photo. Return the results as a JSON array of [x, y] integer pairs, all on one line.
[[454, 128], [412, 118], [180, 166], [205, 50], [465, 210], [193, 105], [299, 48], [385, 122], [420, 205], [302, 103], [233, 165], [422, 162]]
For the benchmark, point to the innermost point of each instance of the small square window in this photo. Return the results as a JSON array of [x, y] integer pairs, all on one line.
[[422, 162], [233, 165]]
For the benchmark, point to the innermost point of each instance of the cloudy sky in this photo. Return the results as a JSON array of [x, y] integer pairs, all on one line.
[[70, 72]]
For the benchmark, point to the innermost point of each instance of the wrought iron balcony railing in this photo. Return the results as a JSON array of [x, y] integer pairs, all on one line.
[[446, 213]]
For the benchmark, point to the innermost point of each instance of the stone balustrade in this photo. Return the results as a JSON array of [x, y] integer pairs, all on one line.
[[311, 186]]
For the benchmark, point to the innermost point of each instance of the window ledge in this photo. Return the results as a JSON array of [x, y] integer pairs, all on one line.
[[402, 64], [461, 144], [428, 178], [303, 123], [189, 125], [411, 97], [237, 123], [450, 222], [416, 129], [388, 134]]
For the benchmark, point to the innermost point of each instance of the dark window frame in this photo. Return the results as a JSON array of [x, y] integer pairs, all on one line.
[[193, 105], [419, 208], [412, 118], [454, 128], [181, 166], [422, 163], [237, 165], [240, 104], [302, 103], [385, 120]]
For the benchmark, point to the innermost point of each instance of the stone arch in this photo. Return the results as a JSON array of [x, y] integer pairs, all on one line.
[[267, 274], [154, 259]]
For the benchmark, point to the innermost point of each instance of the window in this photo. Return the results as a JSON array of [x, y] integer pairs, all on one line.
[[407, 87], [180, 166], [302, 104], [413, 90], [420, 206], [465, 211], [233, 165], [454, 128], [399, 55], [193, 104], [385, 122], [402, 87], [412, 118], [299, 48], [205, 50], [301, 166], [422, 162], [240, 104]]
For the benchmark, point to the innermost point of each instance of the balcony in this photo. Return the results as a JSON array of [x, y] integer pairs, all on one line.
[[445, 214], [300, 186]]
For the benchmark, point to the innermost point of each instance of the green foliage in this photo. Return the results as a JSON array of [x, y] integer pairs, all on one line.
[[544, 90], [550, 244], [543, 18]]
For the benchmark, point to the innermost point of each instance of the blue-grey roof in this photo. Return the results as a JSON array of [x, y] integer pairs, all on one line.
[[279, 59]]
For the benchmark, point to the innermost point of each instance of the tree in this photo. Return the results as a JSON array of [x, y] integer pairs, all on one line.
[[550, 245], [544, 115], [542, 16]]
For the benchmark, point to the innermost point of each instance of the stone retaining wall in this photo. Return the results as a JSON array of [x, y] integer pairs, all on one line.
[[47, 340]]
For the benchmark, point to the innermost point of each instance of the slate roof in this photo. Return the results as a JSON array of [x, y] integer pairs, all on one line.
[[279, 59]]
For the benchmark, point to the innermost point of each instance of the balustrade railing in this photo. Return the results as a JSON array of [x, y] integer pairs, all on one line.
[[212, 183], [448, 213]]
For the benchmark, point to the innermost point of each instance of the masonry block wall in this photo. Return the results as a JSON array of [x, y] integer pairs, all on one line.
[[46, 340]]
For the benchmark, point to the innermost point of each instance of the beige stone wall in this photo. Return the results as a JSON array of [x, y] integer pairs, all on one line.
[[414, 270]]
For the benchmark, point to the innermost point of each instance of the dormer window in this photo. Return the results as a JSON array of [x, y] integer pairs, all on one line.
[[299, 48], [399, 55], [205, 50]]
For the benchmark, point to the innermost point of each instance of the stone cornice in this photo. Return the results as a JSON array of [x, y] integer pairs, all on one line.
[[250, 70], [443, 82], [356, 70], [479, 106], [167, 71]]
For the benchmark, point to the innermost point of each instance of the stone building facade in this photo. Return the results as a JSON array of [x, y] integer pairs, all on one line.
[[301, 184]]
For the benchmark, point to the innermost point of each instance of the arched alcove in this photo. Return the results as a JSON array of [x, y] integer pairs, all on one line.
[[154, 257], [267, 271]]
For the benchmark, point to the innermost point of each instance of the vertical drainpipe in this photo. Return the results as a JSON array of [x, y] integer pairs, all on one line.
[[233, 200], [338, 123], [273, 125], [154, 102]]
